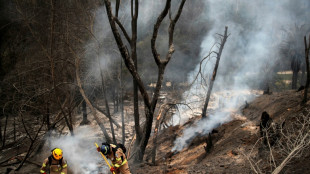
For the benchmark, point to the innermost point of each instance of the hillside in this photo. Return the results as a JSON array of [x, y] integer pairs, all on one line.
[[232, 143]]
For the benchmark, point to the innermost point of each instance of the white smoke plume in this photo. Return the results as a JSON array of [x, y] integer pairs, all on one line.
[[249, 54], [80, 151], [202, 127]]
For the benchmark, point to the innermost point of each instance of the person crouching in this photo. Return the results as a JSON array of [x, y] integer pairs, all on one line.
[[116, 154]]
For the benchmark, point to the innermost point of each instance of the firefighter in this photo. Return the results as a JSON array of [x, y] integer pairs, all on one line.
[[116, 153], [55, 163]]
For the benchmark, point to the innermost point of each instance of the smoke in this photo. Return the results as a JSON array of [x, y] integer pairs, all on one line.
[[201, 127], [188, 38], [248, 58], [80, 151]]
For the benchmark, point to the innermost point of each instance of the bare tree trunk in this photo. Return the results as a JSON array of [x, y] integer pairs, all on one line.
[[84, 111], [209, 143], [122, 104], [4, 131], [67, 120], [77, 69], [47, 117], [1, 140], [116, 98], [218, 57], [294, 80], [133, 45], [150, 105], [117, 7], [307, 48], [70, 117], [14, 127], [107, 107], [303, 78]]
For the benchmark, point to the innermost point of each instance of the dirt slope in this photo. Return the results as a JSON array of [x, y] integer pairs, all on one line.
[[231, 143]]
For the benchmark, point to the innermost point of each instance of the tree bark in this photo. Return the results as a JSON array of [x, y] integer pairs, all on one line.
[[107, 107], [294, 80], [1, 140], [218, 57], [122, 104], [4, 131], [150, 105], [133, 45], [307, 48], [84, 111]]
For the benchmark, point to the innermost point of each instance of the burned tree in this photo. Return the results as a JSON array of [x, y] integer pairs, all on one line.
[[84, 110], [307, 49], [292, 48], [264, 125], [218, 57], [270, 131], [143, 134], [209, 143], [295, 66]]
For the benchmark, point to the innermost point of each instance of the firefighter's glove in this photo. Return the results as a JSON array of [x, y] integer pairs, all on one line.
[[112, 169], [98, 149]]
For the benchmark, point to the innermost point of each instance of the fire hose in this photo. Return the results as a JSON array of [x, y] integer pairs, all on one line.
[[104, 158]]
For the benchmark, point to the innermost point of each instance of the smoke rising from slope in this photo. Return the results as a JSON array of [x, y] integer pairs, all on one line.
[[201, 128], [247, 60]]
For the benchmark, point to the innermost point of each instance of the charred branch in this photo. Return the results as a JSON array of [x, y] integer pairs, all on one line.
[[218, 57], [130, 62], [77, 69]]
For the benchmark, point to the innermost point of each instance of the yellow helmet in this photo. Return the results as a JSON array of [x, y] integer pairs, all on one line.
[[57, 153]]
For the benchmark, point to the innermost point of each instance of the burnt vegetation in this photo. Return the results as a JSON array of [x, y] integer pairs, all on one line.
[[133, 70]]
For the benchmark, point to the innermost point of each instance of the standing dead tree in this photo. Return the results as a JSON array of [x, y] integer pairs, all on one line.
[[307, 49], [79, 83], [107, 107], [218, 57], [130, 62]]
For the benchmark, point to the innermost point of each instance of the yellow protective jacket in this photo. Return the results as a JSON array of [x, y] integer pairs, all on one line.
[[119, 161], [55, 167]]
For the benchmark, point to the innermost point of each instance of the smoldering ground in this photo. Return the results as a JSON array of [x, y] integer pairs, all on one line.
[[249, 56]]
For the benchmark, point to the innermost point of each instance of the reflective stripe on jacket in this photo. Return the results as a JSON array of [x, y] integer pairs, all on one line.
[[55, 167], [119, 159]]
